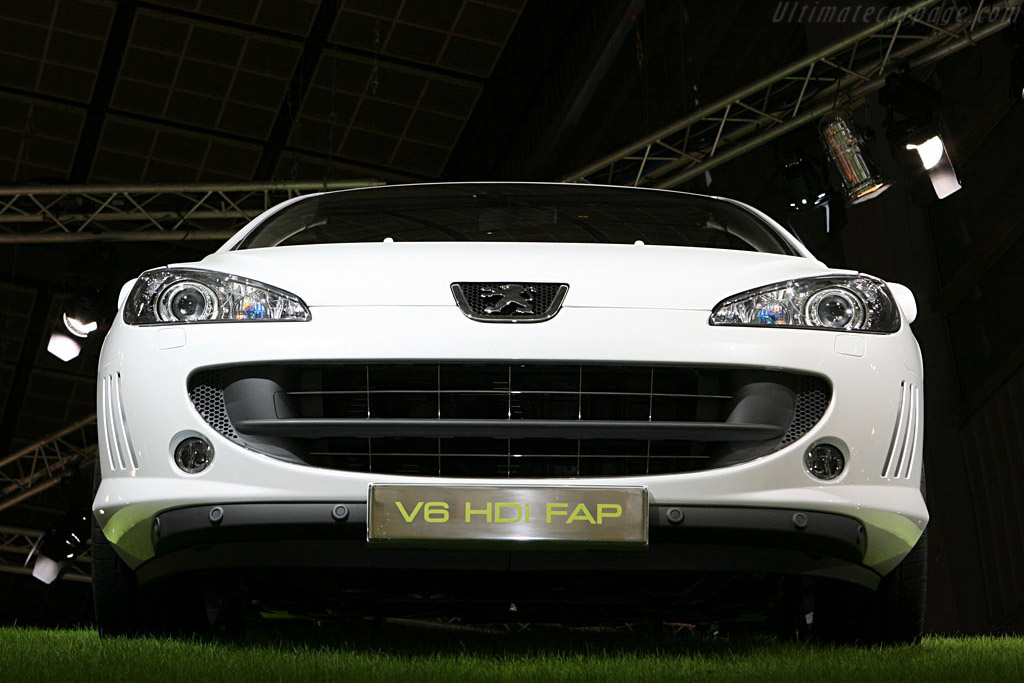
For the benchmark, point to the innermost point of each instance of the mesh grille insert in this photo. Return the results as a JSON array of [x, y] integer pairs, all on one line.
[[206, 389], [812, 399]]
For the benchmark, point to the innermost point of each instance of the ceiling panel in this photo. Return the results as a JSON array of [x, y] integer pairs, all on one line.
[[381, 114], [135, 152], [53, 47], [204, 76], [288, 16], [298, 166], [37, 139], [466, 36], [393, 92]]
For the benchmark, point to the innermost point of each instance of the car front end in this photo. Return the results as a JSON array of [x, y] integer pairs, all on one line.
[[532, 413]]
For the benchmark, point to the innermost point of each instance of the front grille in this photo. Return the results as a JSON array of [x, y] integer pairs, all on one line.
[[509, 420]]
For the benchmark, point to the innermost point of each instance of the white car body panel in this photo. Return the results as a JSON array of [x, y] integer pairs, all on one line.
[[625, 304], [421, 273]]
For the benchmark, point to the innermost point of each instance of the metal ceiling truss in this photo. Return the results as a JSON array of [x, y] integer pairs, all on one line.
[[91, 213], [802, 92], [18, 545], [40, 466]]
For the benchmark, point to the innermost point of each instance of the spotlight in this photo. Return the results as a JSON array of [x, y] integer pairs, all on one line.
[[78, 320], [918, 127], [66, 539], [803, 181], [80, 316], [931, 151], [936, 161], [914, 101], [844, 143], [64, 346]]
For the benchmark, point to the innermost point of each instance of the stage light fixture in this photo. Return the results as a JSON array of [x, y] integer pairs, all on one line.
[[66, 539], [937, 163], [845, 146], [77, 321], [803, 182], [64, 346], [918, 126], [79, 316], [931, 151]]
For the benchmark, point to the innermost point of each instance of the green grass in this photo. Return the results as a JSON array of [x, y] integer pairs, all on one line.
[[396, 653]]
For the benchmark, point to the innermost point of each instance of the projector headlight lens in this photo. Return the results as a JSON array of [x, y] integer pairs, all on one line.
[[186, 301], [185, 295], [836, 308], [856, 303]]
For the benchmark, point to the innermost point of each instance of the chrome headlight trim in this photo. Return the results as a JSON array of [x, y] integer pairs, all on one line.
[[171, 296], [840, 303]]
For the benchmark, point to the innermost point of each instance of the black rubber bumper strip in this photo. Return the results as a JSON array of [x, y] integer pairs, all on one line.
[[269, 537], [821, 533]]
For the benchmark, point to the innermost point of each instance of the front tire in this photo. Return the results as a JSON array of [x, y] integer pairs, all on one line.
[[123, 608], [114, 589], [891, 615]]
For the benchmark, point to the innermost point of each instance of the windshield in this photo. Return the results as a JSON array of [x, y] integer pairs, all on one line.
[[517, 212]]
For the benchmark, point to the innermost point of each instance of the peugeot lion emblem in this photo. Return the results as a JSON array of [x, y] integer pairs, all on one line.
[[510, 302], [514, 299]]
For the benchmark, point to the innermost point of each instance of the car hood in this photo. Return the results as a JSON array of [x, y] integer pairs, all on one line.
[[598, 275]]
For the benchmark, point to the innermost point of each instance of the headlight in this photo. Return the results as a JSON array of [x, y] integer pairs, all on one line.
[[855, 302], [184, 295]]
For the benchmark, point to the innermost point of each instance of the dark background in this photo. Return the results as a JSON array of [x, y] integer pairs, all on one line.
[[98, 91]]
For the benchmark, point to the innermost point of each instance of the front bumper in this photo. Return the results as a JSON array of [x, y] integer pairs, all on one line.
[[259, 536], [150, 367]]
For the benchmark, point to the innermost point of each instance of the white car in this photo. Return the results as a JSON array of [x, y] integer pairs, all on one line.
[[472, 398]]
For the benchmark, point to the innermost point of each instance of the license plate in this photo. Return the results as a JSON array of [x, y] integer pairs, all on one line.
[[507, 515]]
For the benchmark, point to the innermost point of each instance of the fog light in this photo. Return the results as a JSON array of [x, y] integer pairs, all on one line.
[[824, 461], [193, 455]]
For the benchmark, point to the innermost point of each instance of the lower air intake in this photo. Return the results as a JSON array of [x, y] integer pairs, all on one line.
[[502, 420]]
